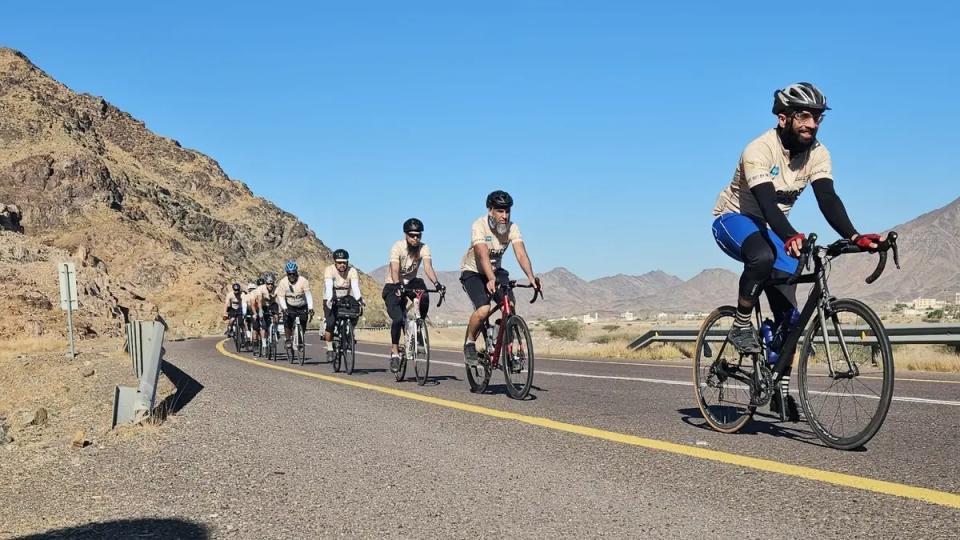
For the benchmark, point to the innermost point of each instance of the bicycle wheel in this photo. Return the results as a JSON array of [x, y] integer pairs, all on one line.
[[237, 336], [349, 347], [517, 358], [421, 360], [719, 373], [478, 376], [338, 347], [301, 350], [846, 404]]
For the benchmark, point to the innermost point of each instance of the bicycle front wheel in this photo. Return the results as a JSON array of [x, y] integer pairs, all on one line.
[[421, 359], [516, 358], [719, 373], [349, 347], [846, 375], [237, 337]]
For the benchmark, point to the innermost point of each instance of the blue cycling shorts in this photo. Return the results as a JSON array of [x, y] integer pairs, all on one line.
[[730, 231]]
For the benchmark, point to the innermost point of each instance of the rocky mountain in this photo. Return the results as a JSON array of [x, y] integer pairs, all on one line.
[[930, 256], [160, 229]]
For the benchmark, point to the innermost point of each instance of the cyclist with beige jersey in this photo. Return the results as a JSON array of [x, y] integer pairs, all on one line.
[[339, 279], [403, 263], [481, 271], [296, 301]]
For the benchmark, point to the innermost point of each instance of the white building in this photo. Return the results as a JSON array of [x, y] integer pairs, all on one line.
[[590, 319], [928, 303], [629, 316]]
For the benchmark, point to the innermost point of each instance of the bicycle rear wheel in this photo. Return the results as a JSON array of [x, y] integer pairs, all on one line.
[[237, 336], [478, 376], [846, 404], [516, 358], [301, 349], [421, 359], [348, 345], [723, 400]]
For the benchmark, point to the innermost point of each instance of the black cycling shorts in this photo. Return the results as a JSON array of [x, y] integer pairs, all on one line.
[[476, 287]]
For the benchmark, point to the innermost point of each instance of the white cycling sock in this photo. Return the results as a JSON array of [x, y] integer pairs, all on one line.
[[329, 345]]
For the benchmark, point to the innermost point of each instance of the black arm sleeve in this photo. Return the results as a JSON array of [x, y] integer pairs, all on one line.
[[767, 199], [832, 207]]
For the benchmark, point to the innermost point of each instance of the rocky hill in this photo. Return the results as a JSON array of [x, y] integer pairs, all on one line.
[[160, 229]]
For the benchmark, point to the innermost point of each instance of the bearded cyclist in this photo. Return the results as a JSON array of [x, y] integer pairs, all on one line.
[[403, 264], [339, 276], [267, 304], [481, 272], [751, 214], [232, 307], [295, 301]]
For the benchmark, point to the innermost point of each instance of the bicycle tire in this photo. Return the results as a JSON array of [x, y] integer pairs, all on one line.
[[350, 351], [301, 349], [725, 416], [813, 411], [421, 360], [478, 376], [517, 358], [237, 339]]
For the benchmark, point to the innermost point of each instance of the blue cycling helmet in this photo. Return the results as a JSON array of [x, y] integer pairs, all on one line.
[[291, 267]]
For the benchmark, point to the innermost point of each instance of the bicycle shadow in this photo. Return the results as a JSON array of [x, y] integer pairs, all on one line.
[[501, 390], [433, 381], [367, 371], [763, 424]]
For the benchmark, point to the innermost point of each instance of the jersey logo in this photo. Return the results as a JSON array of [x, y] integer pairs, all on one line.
[[775, 170], [489, 239]]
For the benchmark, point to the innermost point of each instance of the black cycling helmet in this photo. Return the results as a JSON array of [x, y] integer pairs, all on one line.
[[341, 255], [270, 279], [260, 281], [499, 199], [413, 225], [801, 95], [236, 287]]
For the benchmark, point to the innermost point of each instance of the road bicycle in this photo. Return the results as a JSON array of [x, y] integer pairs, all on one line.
[[507, 346], [845, 367], [415, 343], [348, 310]]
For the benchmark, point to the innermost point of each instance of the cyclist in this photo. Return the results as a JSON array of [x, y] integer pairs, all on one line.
[[267, 303], [751, 213], [247, 309], [481, 273], [232, 305], [295, 301], [403, 264], [339, 276], [253, 298]]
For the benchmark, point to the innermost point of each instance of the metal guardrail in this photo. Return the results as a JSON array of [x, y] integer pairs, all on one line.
[[144, 346], [925, 334]]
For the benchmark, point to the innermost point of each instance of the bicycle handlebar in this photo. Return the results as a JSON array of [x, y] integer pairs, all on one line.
[[443, 293], [537, 288], [845, 246]]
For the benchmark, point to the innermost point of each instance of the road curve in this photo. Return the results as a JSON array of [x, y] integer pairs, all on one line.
[[602, 449]]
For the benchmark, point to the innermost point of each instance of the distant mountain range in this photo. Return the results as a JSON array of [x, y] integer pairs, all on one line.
[[929, 247]]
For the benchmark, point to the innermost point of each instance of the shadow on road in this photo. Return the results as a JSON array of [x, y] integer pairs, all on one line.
[[775, 429], [187, 389], [367, 371], [128, 528], [501, 389]]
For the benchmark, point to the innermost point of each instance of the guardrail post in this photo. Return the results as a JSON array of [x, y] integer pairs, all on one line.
[[145, 345]]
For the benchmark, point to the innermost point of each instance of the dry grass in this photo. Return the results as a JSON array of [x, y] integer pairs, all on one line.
[[939, 358], [11, 348]]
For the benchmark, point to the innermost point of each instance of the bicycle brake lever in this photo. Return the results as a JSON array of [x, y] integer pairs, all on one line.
[[892, 239]]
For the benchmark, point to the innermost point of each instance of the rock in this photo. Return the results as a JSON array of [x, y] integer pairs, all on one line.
[[36, 417], [10, 217], [79, 440], [4, 436], [88, 372]]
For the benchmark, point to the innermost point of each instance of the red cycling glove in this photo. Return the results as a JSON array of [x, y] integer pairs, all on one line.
[[864, 240], [795, 239]]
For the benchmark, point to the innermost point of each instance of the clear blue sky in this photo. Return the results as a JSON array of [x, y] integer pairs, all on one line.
[[613, 124]]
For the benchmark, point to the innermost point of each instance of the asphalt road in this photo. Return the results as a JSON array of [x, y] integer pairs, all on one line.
[[614, 449]]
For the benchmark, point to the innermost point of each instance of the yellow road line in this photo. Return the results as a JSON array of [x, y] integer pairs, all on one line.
[[950, 500]]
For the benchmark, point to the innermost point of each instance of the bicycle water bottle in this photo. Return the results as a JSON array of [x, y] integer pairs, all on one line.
[[766, 333], [783, 329]]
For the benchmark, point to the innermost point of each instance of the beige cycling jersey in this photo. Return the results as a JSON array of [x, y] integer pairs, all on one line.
[[294, 294], [766, 160], [341, 283], [232, 302], [481, 233], [409, 264], [265, 297]]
